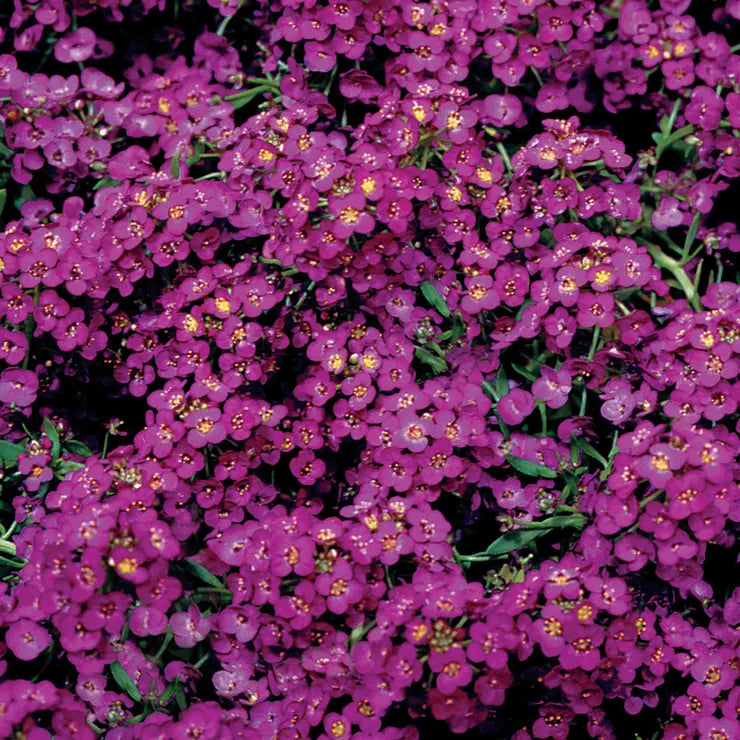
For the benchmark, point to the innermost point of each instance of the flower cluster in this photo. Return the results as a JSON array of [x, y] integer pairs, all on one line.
[[368, 370]]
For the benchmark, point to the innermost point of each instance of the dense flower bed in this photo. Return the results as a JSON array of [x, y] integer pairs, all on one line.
[[368, 369]]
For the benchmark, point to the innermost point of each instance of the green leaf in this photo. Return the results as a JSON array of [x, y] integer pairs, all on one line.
[[3, 200], [239, 100], [666, 122], [180, 698], [106, 182], [691, 234], [26, 195], [514, 540], [682, 279], [169, 692], [434, 298], [452, 334], [674, 137], [197, 570], [489, 390], [175, 166], [502, 383], [522, 308], [581, 444], [529, 468], [557, 522], [9, 453], [77, 448], [66, 466], [437, 364], [524, 372], [53, 435], [124, 680]]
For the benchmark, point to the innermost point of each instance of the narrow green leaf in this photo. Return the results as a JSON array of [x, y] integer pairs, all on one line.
[[666, 122], [581, 444], [65, 466], [502, 383], [26, 195], [522, 308], [437, 364], [557, 522], [529, 468], [175, 165], [240, 99], [682, 279], [9, 453], [3, 200], [514, 540], [77, 448], [674, 137], [524, 372], [691, 234], [434, 298], [574, 451], [169, 692], [124, 680], [53, 435], [489, 390], [197, 570], [106, 182], [180, 698]]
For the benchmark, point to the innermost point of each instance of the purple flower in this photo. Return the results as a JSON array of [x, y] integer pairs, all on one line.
[[307, 468], [552, 387], [189, 628], [515, 406], [75, 46], [667, 214], [146, 621], [18, 387], [339, 588], [319, 58], [27, 639]]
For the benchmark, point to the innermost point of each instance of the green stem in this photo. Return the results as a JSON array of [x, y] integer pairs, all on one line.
[[594, 343], [489, 390], [211, 176], [8, 548], [668, 263], [302, 299], [11, 563], [201, 661], [331, 80], [225, 22], [474, 558], [264, 81], [543, 416], [505, 156], [165, 644], [249, 94], [575, 520], [536, 75], [650, 498], [28, 328], [582, 408], [10, 530]]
